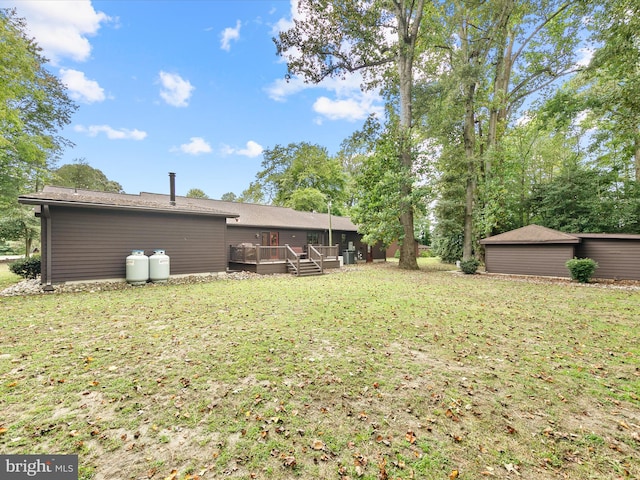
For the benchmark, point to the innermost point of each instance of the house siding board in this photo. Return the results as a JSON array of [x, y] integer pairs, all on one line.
[[616, 258], [90, 244], [544, 260]]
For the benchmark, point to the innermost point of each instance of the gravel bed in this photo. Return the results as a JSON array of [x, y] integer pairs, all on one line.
[[33, 286]]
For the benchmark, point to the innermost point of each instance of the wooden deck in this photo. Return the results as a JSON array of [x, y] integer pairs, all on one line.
[[283, 259]]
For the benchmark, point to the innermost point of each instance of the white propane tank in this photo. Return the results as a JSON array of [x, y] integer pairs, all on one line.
[[159, 266], [137, 268]]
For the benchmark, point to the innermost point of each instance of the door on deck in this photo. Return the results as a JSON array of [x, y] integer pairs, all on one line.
[[270, 239]]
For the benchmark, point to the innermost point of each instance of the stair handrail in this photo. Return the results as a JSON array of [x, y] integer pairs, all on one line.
[[290, 255], [312, 254]]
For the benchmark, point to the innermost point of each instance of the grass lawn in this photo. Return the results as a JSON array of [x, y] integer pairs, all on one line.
[[370, 373], [7, 277]]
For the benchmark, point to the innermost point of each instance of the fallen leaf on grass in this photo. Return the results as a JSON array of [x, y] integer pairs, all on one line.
[[383, 470], [3, 430], [454, 474], [173, 475], [318, 445], [449, 413], [289, 461], [410, 437]]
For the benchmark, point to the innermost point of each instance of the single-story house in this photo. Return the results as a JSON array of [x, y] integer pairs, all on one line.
[[537, 250], [87, 235]]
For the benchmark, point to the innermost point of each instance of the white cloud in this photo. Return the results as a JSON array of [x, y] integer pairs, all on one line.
[[251, 150], [61, 28], [196, 146], [80, 87], [176, 91], [351, 109], [229, 34], [585, 56], [111, 133], [349, 102]]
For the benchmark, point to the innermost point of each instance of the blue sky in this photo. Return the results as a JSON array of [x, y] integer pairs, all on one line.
[[193, 87]]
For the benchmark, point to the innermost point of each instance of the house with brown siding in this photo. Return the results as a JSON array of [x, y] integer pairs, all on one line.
[[537, 250], [86, 235]]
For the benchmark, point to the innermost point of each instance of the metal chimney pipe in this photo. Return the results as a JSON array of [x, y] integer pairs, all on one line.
[[172, 188]]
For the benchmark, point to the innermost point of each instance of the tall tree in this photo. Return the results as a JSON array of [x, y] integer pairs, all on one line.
[[610, 87], [299, 176], [34, 106], [500, 54], [81, 175], [378, 38]]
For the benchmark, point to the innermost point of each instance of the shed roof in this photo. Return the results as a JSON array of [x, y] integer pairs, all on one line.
[[531, 234], [79, 198]]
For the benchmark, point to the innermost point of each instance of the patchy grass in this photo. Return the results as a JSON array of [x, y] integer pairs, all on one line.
[[7, 277], [369, 373]]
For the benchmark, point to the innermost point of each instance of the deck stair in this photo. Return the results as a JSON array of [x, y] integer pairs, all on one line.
[[304, 268]]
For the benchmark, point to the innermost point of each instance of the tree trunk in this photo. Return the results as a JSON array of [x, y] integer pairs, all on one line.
[[407, 35], [636, 156], [471, 184]]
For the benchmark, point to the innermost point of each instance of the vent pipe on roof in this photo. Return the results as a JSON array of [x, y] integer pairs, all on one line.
[[172, 188]]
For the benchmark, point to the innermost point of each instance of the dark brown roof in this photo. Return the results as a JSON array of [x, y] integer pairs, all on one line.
[[90, 199], [613, 236], [531, 234], [240, 214], [255, 215]]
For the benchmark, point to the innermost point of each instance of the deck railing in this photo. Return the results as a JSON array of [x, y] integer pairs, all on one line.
[[329, 252], [248, 253]]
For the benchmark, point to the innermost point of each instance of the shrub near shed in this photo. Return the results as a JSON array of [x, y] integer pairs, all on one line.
[[581, 269], [26, 267]]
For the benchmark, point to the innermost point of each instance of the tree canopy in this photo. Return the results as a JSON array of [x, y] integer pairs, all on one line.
[[81, 175], [301, 176], [196, 193], [34, 107]]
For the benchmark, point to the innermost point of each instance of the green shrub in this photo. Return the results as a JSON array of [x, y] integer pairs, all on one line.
[[581, 269], [469, 266], [448, 248], [26, 267]]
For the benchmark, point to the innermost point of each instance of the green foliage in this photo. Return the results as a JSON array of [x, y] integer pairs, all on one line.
[[35, 107], [196, 193], [308, 200], [26, 267], [469, 266], [586, 200], [385, 188], [581, 269], [20, 223], [302, 166], [81, 175], [448, 247], [229, 197]]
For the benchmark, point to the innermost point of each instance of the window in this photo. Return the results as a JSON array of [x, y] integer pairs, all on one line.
[[313, 238]]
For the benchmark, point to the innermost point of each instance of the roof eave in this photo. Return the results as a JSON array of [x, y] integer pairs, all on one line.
[[104, 206]]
